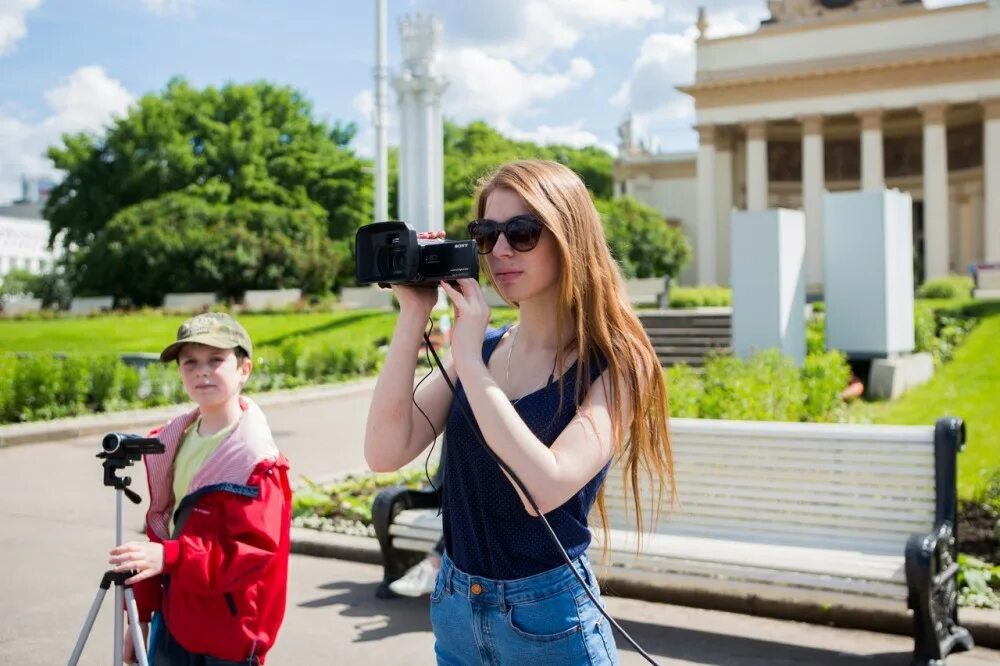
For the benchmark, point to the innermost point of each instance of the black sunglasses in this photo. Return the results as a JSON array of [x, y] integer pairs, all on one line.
[[522, 232]]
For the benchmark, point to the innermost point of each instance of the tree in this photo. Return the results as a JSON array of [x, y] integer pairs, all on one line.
[[183, 243], [473, 151], [641, 240], [242, 142]]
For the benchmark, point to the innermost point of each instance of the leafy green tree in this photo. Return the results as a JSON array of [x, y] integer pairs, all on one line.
[[18, 282], [473, 151], [641, 240], [217, 189], [183, 243]]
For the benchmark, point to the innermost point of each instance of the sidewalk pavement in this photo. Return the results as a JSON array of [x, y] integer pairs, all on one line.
[[57, 524]]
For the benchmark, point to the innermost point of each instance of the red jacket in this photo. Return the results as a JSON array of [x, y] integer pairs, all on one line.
[[225, 569]]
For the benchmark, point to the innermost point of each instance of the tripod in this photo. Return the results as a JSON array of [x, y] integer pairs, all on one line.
[[120, 451]]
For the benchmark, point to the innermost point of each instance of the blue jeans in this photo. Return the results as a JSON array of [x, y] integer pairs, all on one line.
[[547, 617]]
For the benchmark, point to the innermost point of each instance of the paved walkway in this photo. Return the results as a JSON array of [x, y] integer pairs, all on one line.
[[57, 524]]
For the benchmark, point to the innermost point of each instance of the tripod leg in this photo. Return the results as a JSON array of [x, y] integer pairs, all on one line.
[[133, 620], [88, 624], [119, 625]]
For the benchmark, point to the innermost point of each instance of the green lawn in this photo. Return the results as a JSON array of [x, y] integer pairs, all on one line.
[[968, 387], [152, 332]]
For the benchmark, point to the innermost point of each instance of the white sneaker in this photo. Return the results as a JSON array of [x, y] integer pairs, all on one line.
[[416, 582]]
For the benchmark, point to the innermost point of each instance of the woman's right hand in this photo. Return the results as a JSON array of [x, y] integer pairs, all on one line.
[[419, 301]]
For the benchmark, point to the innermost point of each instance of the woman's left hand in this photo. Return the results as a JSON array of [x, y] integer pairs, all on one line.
[[472, 315]]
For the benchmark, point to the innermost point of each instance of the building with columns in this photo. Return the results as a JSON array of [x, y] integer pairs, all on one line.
[[830, 95]]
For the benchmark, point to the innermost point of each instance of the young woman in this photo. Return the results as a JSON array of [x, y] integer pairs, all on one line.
[[574, 384]]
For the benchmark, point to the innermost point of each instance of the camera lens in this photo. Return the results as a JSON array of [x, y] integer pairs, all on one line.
[[111, 442], [392, 262], [398, 261]]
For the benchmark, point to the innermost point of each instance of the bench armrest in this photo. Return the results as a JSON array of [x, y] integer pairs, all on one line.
[[389, 503], [932, 559]]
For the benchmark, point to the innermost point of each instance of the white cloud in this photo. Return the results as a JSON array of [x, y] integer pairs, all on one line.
[[85, 102], [529, 31], [164, 7], [496, 89], [664, 61], [570, 135], [12, 24]]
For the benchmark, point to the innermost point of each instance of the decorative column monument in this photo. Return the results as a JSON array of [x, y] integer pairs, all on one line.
[[419, 87], [868, 267], [769, 282]]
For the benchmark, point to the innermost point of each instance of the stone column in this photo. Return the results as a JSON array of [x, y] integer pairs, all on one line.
[[936, 236], [813, 185], [756, 165], [991, 178], [419, 88], [872, 169], [706, 241], [723, 205]]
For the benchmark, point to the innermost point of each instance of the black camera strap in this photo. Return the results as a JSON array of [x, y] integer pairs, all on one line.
[[470, 419]]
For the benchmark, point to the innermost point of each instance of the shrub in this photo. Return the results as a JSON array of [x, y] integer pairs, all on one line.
[[978, 583], [8, 366], [698, 297], [131, 382], [74, 386], [940, 332], [684, 390], [36, 384], [952, 286], [105, 380], [816, 333], [766, 387], [346, 506], [824, 376]]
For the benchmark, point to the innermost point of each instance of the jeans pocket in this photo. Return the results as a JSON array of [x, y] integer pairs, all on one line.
[[438, 590], [546, 620]]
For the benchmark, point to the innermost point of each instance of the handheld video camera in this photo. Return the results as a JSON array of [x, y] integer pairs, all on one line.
[[390, 253], [128, 447]]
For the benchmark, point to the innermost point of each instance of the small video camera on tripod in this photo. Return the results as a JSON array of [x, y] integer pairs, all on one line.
[[119, 450]]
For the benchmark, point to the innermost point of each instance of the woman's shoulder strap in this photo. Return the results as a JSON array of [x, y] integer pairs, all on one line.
[[491, 339]]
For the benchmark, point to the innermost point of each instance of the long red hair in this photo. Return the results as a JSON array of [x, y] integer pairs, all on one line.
[[592, 297]]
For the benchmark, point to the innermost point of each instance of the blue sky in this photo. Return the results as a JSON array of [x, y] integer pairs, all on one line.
[[545, 70]]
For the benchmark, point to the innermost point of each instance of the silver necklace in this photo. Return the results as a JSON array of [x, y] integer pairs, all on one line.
[[510, 352]]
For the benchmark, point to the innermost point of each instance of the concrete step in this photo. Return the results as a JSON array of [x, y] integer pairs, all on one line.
[[679, 350], [694, 341], [693, 361], [692, 322], [695, 331]]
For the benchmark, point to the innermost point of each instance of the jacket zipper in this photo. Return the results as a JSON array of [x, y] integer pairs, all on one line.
[[231, 603]]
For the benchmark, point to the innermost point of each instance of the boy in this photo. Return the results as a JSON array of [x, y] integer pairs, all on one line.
[[215, 568]]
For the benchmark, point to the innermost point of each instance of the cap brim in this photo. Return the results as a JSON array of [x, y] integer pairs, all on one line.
[[207, 339]]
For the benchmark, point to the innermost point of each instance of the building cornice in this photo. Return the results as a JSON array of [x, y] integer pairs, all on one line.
[[840, 20], [840, 80]]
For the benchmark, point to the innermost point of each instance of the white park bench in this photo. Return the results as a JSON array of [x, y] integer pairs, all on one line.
[[804, 520], [17, 305], [270, 299], [645, 291], [370, 297], [987, 281], [90, 304], [195, 301]]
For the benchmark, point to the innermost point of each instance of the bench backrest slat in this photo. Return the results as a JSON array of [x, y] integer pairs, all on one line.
[[871, 486]]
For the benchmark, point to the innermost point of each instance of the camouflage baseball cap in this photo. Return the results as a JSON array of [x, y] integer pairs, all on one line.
[[215, 329]]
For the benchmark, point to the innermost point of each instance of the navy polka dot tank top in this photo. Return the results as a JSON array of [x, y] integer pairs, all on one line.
[[487, 530]]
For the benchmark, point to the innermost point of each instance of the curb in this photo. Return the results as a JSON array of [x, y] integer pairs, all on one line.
[[984, 625], [307, 541], [81, 426]]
